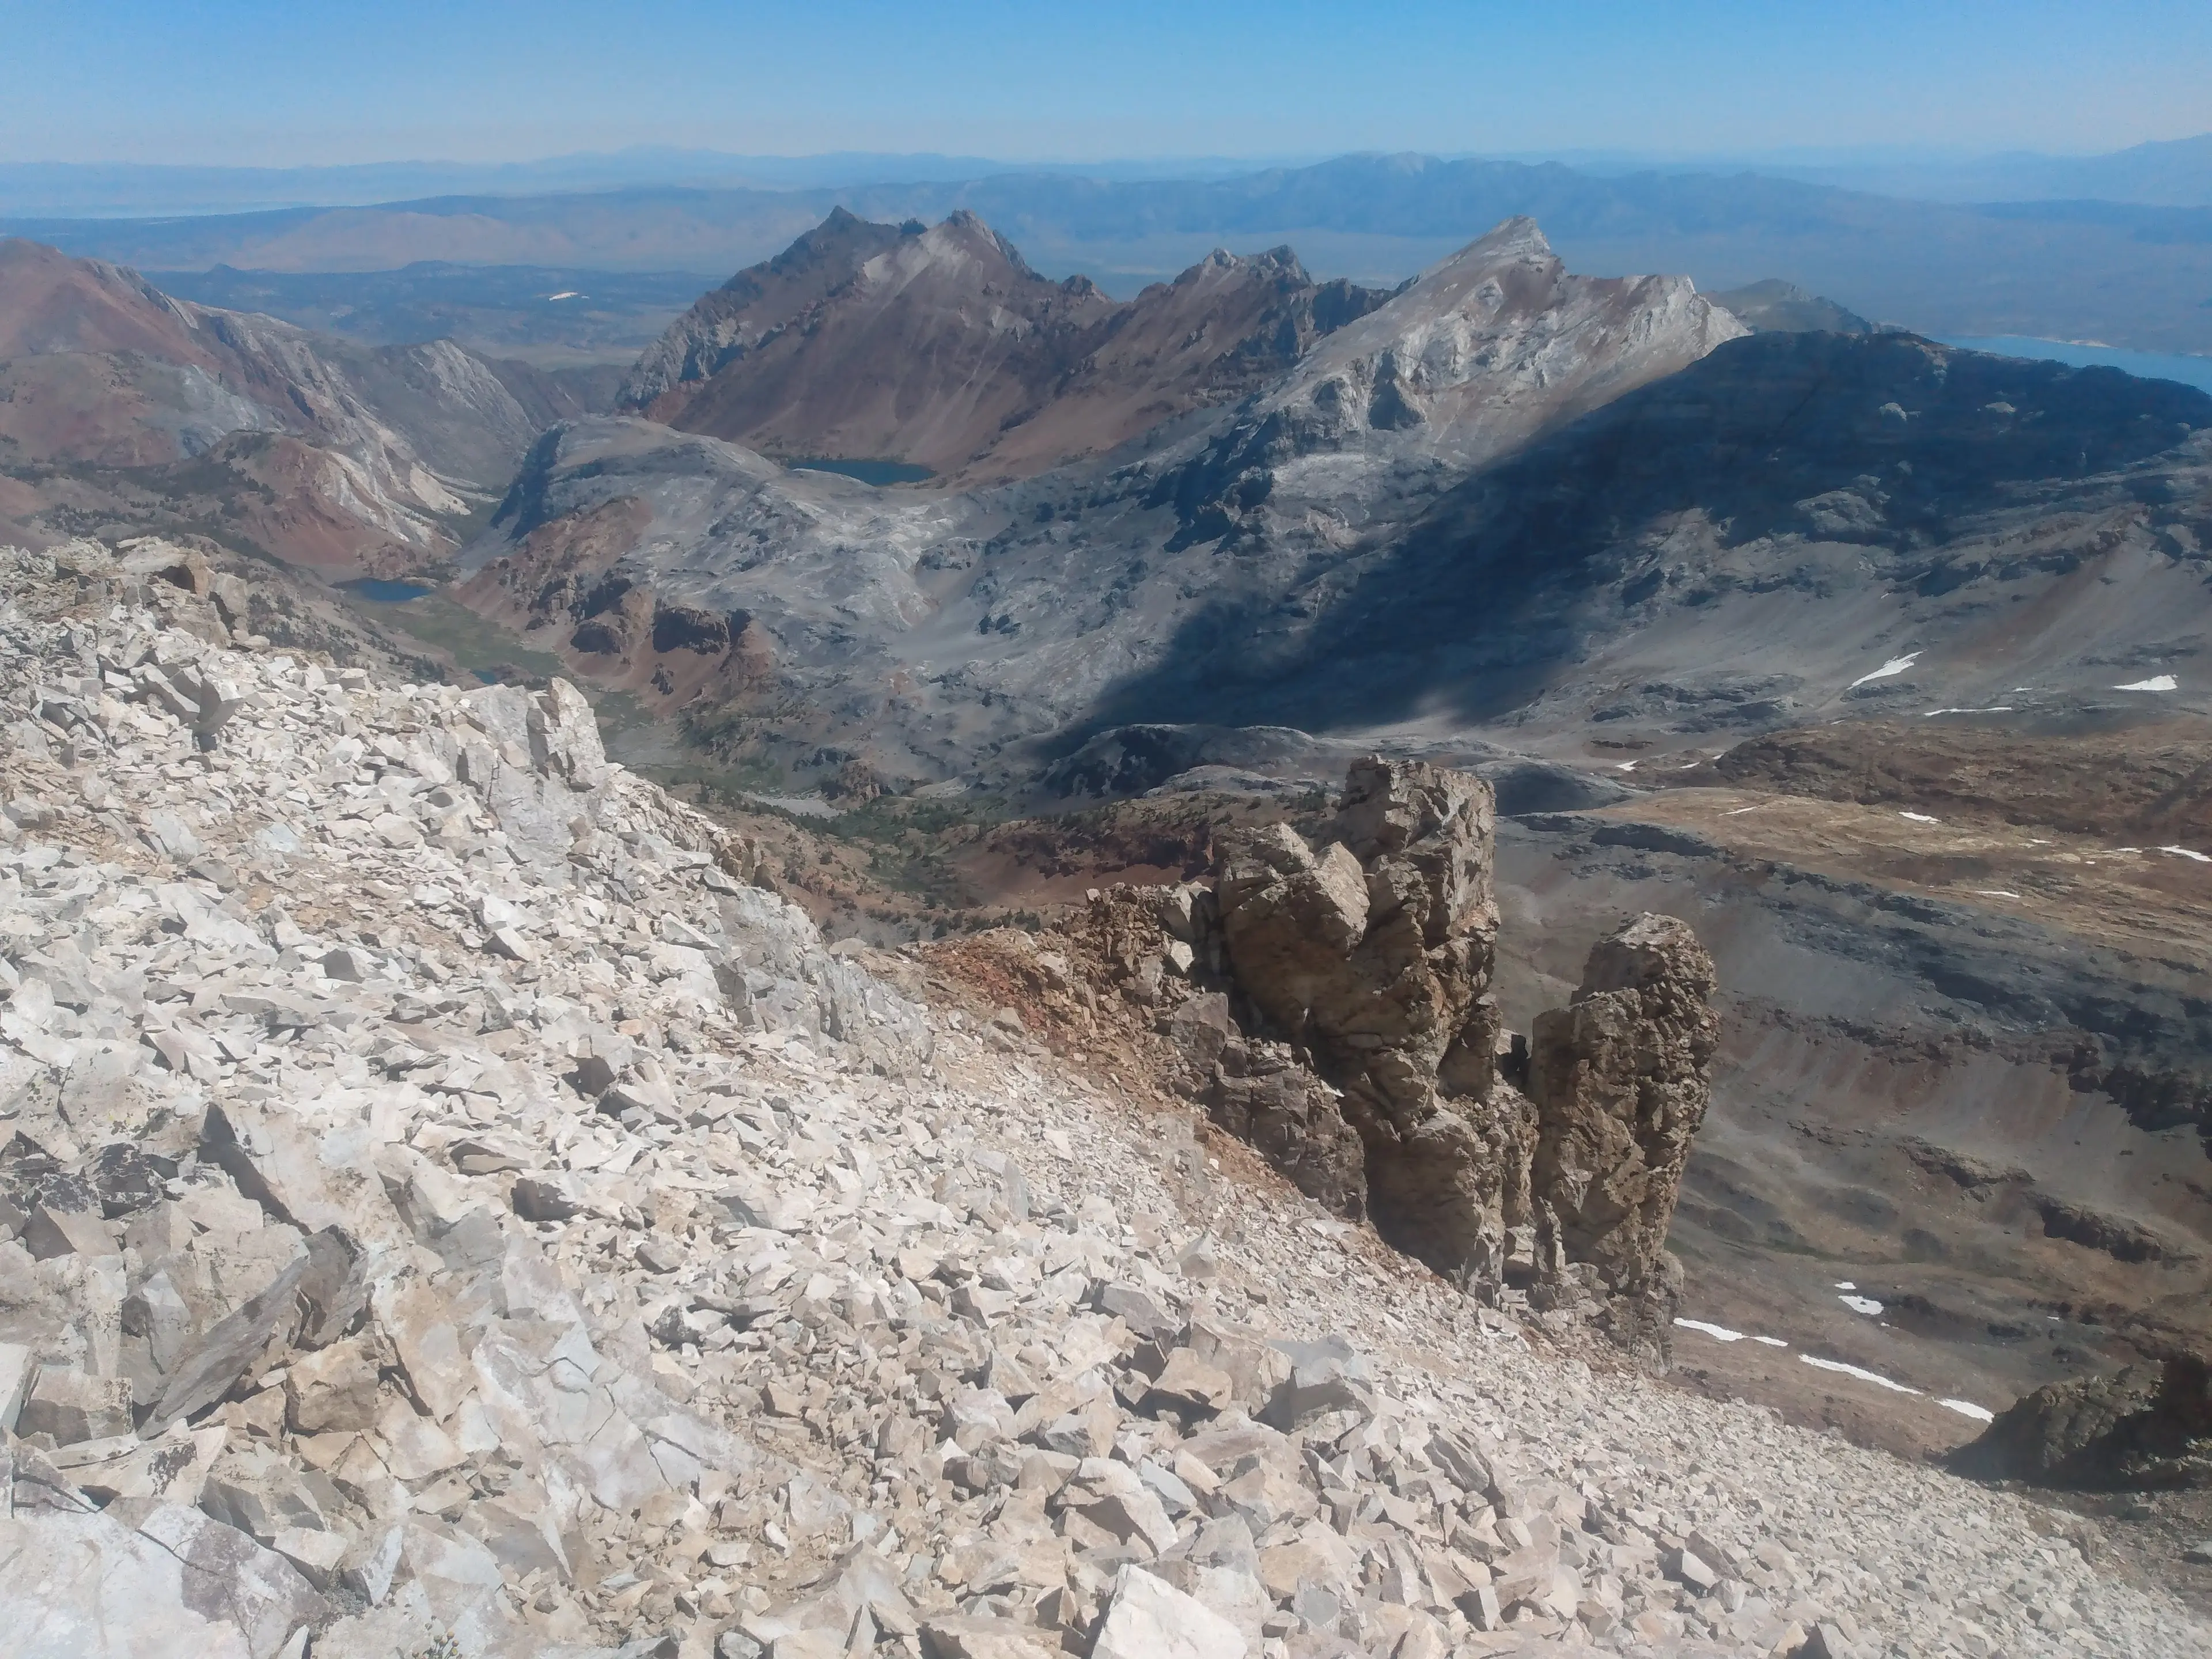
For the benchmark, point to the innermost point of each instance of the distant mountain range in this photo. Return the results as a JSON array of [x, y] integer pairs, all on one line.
[[864, 341], [2177, 172], [2125, 274], [99, 190], [1500, 491]]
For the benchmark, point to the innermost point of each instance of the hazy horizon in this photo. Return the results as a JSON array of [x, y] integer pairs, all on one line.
[[252, 83]]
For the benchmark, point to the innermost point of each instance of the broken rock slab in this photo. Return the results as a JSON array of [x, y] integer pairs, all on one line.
[[82, 1586], [72, 1404], [1149, 1619], [961, 1638]]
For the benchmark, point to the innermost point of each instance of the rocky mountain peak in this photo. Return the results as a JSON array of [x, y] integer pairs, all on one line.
[[965, 228], [997, 371], [1279, 263], [1469, 361], [836, 249], [957, 256], [1499, 324]]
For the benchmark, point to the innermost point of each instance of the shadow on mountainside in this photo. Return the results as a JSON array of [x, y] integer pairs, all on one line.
[[1750, 471]]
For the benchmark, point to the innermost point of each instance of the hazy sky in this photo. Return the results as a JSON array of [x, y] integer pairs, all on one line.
[[306, 81]]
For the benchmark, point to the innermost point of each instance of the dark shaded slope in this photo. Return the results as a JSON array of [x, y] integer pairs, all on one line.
[[1825, 464]]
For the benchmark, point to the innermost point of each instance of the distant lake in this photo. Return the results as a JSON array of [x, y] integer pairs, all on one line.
[[2150, 365], [377, 593], [868, 472]]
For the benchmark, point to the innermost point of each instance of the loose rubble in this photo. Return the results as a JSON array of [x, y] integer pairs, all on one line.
[[445, 1204]]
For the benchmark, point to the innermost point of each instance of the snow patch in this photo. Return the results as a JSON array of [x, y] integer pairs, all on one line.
[[1862, 1375], [2156, 683], [2002, 708], [2183, 852], [1723, 1334], [1919, 817], [1889, 670], [1865, 1304], [1995, 892], [1968, 1408]]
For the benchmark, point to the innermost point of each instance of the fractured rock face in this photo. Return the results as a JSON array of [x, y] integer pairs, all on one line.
[[1371, 958], [1295, 1121], [1621, 1079], [1375, 951], [1374, 956]]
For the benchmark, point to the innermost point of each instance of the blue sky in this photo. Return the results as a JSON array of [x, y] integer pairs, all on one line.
[[248, 82]]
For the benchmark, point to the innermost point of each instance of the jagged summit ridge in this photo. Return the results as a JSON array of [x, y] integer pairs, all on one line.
[[940, 346], [1481, 348]]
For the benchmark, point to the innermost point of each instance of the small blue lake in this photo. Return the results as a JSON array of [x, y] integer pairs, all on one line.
[[381, 592], [868, 472], [2149, 365]]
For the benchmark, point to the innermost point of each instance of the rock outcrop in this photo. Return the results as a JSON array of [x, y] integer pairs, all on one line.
[[1621, 1079], [1364, 1056], [2142, 1428], [1372, 957]]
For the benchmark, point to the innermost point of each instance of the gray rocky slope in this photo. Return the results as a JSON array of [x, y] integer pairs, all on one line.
[[450, 1210], [921, 626], [1507, 503]]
